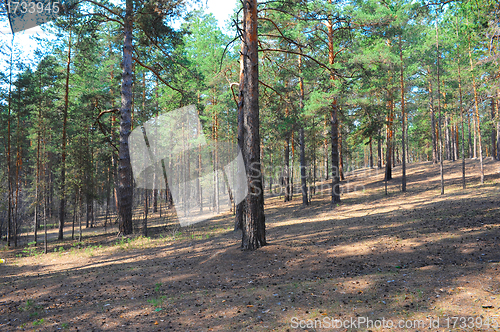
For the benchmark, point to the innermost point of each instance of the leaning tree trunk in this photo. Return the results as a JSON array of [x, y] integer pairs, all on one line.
[[254, 230], [125, 190]]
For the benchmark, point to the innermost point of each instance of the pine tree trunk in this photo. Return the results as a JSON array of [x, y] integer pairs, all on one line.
[[341, 149], [254, 231], [447, 136], [145, 220], [303, 179], [403, 118], [441, 170], [389, 147], [125, 190], [498, 123], [9, 143], [334, 121], [379, 151], [433, 122], [62, 211], [286, 173], [37, 175], [305, 200], [478, 121], [371, 152], [240, 208], [493, 129], [470, 135], [461, 113], [335, 153]]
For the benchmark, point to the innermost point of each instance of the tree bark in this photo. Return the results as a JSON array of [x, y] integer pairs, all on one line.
[[440, 115], [9, 143], [240, 208], [335, 153], [498, 124], [403, 117], [493, 129], [303, 178], [286, 171], [379, 151], [125, 190], [461, 112], [389, 147], [305, 200], [62, 205], [433, 122], [254, 231], [334, 121], [478, 121]]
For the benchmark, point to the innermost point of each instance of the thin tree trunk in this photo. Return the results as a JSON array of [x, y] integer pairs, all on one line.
[[475, 133], [80, 215], [389, 148], [62, 206], [290, 169], [493, 129], [498, 123], [470, 135], [334, 121], [325, 144], [335, 153], [9, 143], [341, 154], [371, 152], [478, 121], [37, 179], [440, 115], [125, 190], [379, 150], [403, 118], [45, 238], [433, 122], [74, 217], [305, 200], [461, 112], [145, 221], [241, 207], [286, 173]]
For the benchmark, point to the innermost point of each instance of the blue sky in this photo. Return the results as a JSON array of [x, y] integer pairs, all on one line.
[[222, 9]]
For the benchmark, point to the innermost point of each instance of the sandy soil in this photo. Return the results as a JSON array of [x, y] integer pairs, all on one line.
[[410, 258]]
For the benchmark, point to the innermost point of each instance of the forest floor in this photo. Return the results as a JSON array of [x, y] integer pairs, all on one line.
[[405, 258]]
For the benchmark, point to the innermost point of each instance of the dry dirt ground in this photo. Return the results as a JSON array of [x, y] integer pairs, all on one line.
[[409, 258]]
